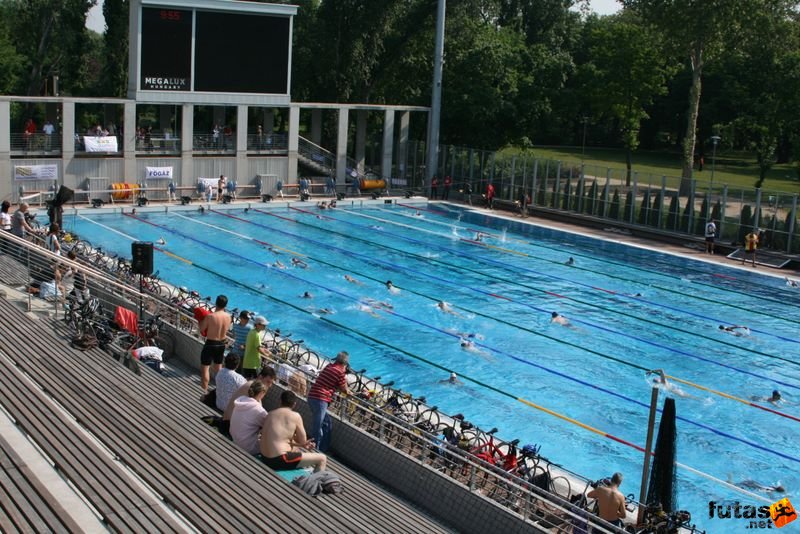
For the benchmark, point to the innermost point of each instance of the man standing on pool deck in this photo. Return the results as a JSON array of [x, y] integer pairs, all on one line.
[[750, 245], [711, 234], [216, 326], [332, 378]]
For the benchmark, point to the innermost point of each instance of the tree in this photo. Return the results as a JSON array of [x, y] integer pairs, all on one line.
[[52, 36], [613, 211], [115, 44], [625, 71], [700, 31], [674, 211]]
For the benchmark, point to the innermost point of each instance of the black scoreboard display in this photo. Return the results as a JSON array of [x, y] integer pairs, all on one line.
[[195, 49], [166, 49]]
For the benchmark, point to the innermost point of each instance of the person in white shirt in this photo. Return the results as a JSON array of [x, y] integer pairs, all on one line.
[[228, 381], [248, 417]]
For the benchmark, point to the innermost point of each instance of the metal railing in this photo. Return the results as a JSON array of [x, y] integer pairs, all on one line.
[[213, 143], [35, 143], [268, 142]]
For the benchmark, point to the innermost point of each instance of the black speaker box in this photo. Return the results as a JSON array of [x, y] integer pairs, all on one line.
[[142, 257]]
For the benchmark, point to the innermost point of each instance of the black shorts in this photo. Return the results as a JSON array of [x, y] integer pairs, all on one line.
[[213, 351], [709, 239], [284, 462]]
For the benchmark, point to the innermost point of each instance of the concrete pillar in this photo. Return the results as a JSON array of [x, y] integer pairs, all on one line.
[[188, 179], [402, 145], [341, 148], [316, 126], [242, 167], [129, 145], [294, 132], [388, 144], [361, 138], [5, 149], [68, 145]]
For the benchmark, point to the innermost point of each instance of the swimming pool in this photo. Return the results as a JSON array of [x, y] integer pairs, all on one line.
[[631, 309]]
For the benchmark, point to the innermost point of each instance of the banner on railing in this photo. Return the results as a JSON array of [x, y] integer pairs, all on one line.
[[208, 182], [158, 173], [36, 172], [100, 144]]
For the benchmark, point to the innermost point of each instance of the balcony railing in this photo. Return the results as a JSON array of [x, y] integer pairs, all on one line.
[[36, 144], [214, 144], [267, 143]]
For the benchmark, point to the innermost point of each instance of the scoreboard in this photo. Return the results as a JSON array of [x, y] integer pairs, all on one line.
[[196, 49]]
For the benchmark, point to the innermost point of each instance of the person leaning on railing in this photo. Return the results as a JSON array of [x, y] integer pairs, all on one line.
[[333, 378]]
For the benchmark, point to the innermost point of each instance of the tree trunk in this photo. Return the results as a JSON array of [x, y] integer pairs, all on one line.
[[628, 165], [35, 80], [691, 119]]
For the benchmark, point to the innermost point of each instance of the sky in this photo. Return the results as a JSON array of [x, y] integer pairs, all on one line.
[[96, 22]]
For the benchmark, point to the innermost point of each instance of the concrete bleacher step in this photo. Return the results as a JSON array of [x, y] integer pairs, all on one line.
[[152, 424]]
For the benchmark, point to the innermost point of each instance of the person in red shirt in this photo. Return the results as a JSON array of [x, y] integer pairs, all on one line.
[[333, 378], [490, 196], [448, 182], [434, 187]]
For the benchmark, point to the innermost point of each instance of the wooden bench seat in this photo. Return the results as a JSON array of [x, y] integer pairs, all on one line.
[[153, 426]]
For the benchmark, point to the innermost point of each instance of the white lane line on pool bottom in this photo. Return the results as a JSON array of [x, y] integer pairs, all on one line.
[[126, 236], [216, 227]]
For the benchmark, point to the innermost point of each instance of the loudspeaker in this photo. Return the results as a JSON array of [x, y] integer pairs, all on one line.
[[142, 257]]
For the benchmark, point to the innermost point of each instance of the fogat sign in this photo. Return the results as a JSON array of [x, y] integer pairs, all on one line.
[[159, 173]]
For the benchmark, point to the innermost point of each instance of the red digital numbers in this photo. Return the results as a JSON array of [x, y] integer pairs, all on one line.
[[170, 15]]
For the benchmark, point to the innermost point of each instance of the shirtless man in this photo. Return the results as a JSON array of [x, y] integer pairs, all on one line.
[[610, 502], [281, 436], [216, 326]]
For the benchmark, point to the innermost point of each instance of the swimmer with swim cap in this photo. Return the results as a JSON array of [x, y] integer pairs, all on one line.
[[557, 318], [453, 379], [308, 295]]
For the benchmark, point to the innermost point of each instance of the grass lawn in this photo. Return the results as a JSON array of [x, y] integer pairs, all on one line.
[[737, 170]]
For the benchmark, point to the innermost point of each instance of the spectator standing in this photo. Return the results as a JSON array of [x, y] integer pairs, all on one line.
[[171, 189], [5, 217], [434, 187], [48, 130], [28, 133], [490, 196], [750, 246], [253, 349], [711, 234], [228, 381], [240, 330], [333, 378], [610, 501], [216, 326], [448, 183], [259, 137], [231, 187], [248, 417], [51, 241], [19, 224], [221, 186]]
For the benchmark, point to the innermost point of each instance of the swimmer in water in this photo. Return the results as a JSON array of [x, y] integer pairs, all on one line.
[[325, 311], [352, 280], [392, 289], [570, 261], [736, 330], [161, 241], [776, 398], [376, 227], [417, 214], [378, 304], [297, 262], [470, 346], [368, 309], [751, 484], [557, 318], [661, 381], [201, 209], [446, 308], [307, 295], [453, 379], [278, 265], [791, 283]]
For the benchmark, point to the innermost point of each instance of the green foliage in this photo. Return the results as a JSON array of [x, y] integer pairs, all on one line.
[[114, 79], [542, 192], [629, 207], [644, 210], [589, 203], [613, 210], [653, 219], [702, 217], [674, 212], [746, 222], [565, 201]]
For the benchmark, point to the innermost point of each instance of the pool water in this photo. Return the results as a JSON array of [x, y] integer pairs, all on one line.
[[630, 309]]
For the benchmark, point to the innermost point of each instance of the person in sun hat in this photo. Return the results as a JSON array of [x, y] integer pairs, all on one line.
[[253, 349]]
